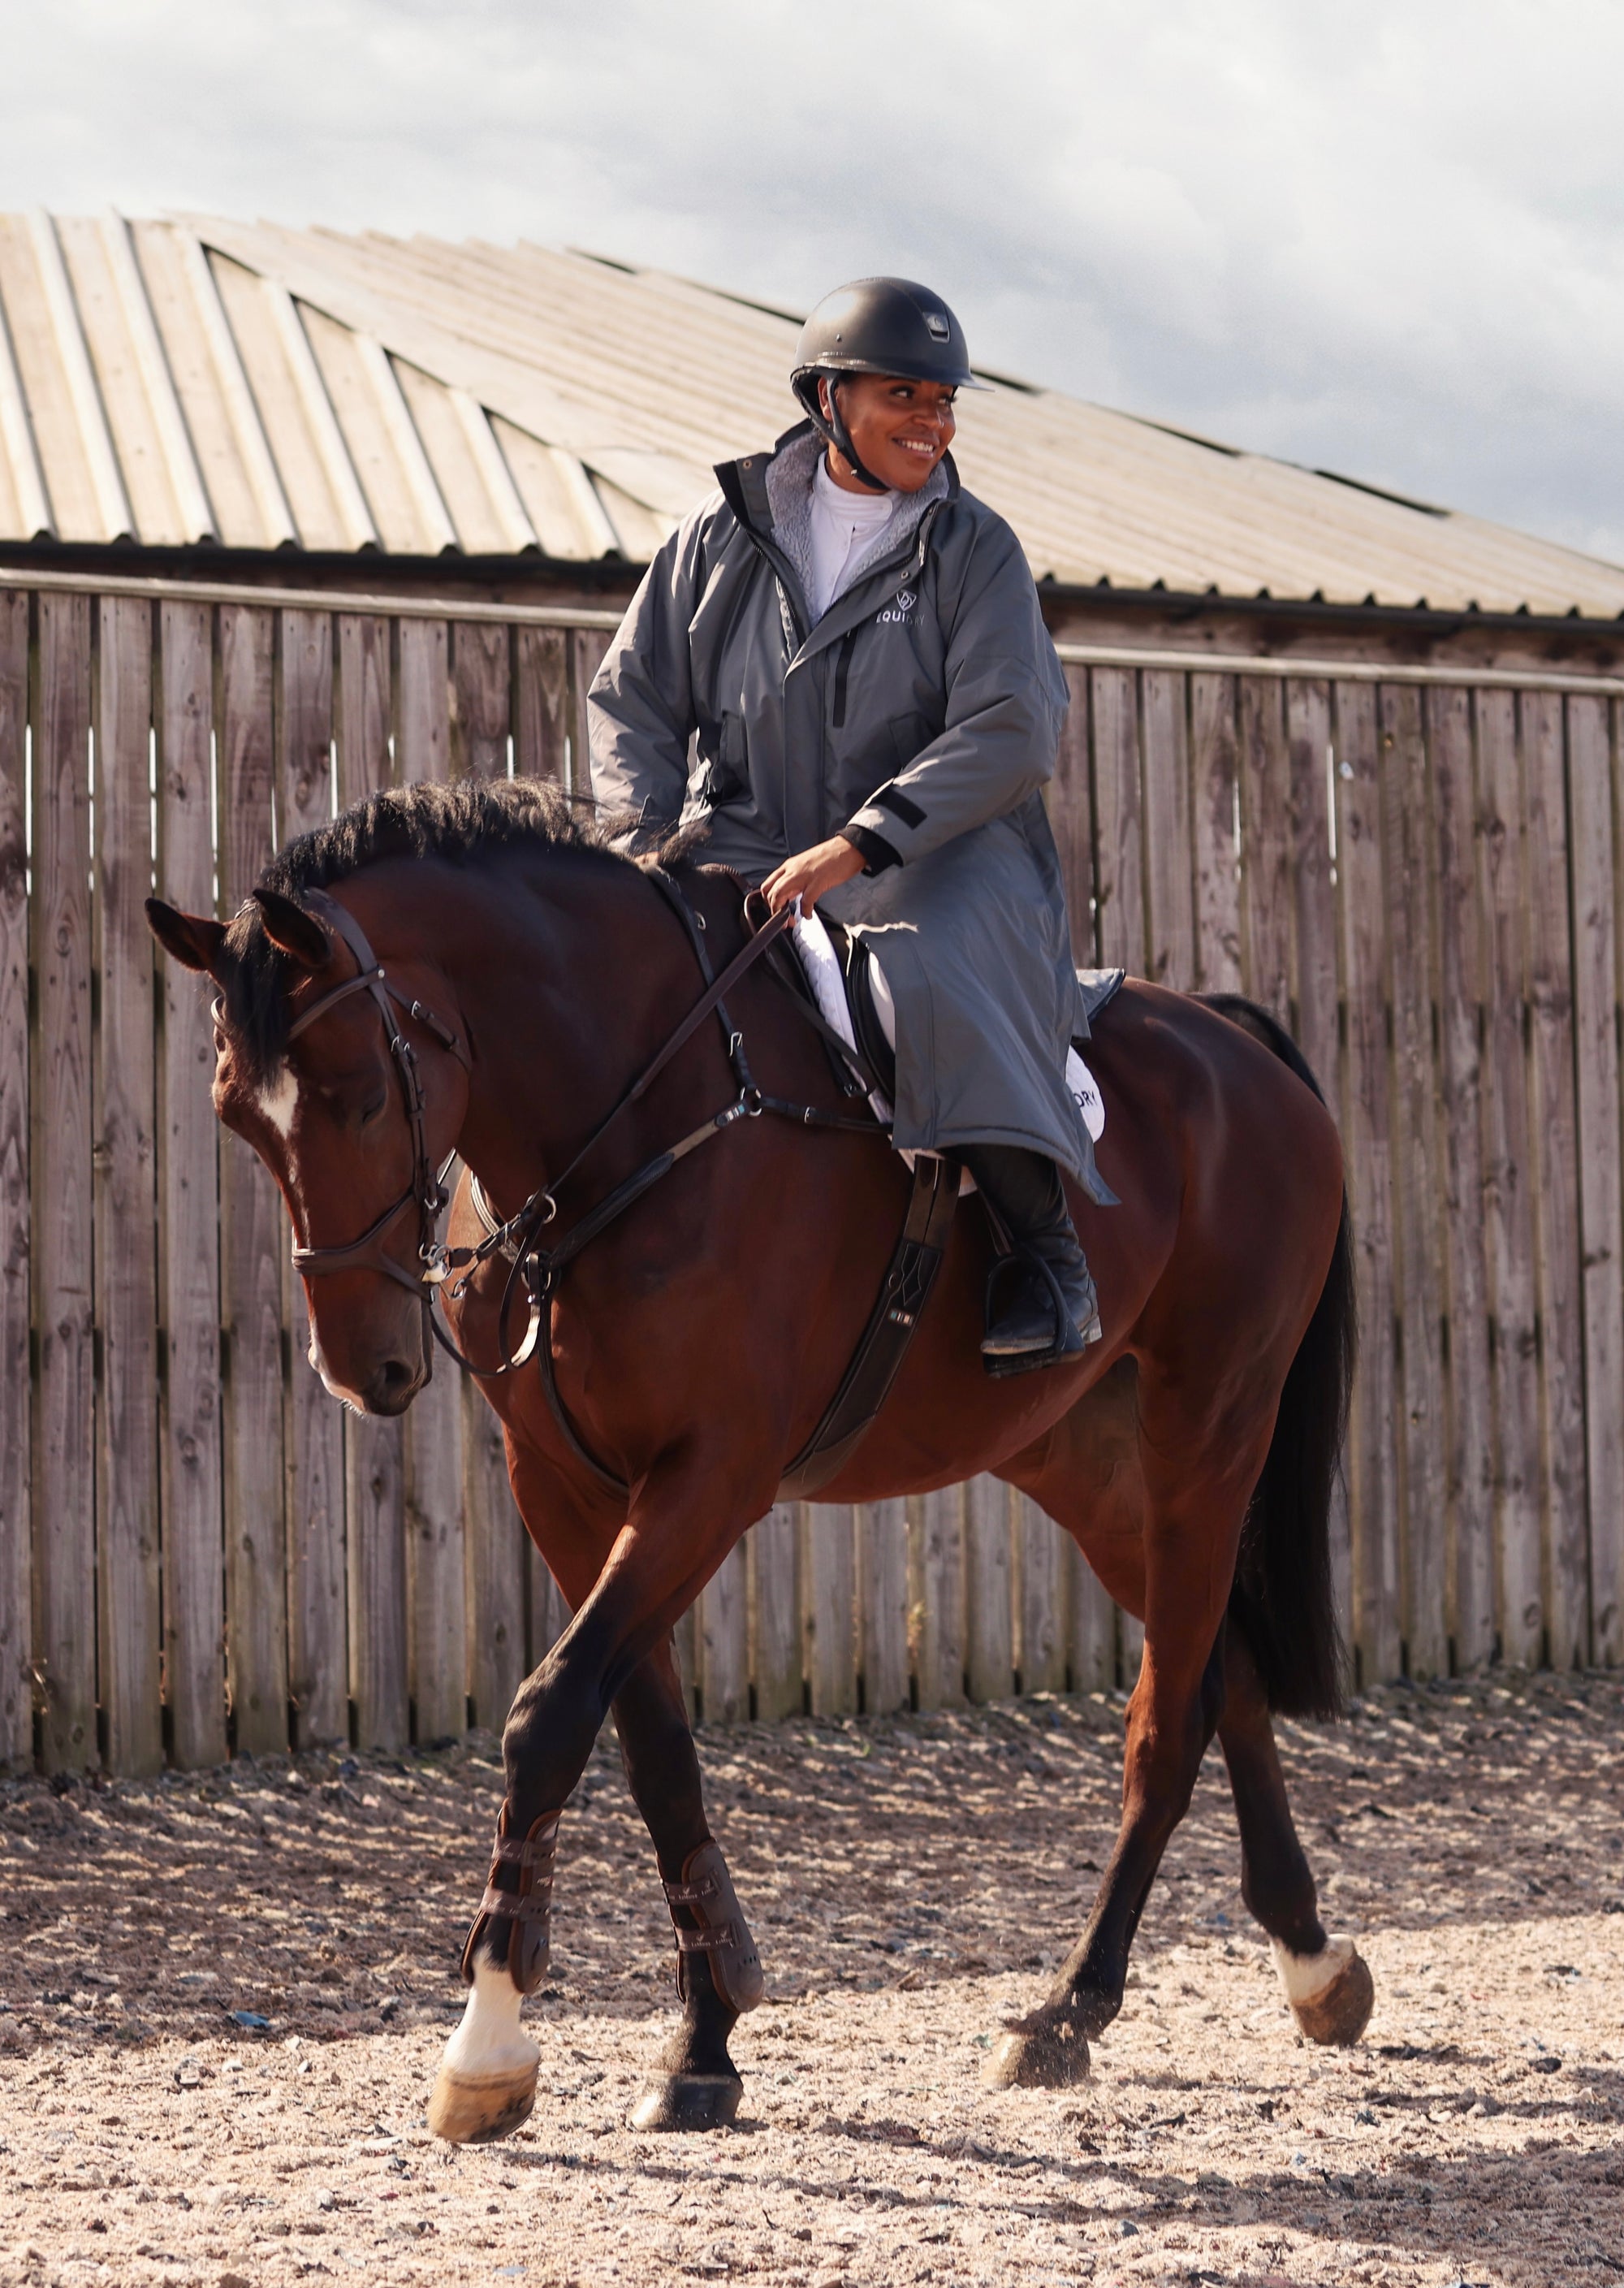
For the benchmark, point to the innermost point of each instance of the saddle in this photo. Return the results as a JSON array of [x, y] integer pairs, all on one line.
[[843, 994]]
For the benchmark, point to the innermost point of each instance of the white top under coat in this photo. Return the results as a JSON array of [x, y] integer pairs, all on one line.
[[842, 528]]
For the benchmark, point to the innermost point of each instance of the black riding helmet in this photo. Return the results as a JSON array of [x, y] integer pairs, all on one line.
[[877, 325]]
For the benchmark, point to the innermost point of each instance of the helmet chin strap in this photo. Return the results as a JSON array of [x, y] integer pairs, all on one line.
[[832, 428]]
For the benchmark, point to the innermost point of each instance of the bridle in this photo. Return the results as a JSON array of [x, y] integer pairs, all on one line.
[[517, 1237], [427, 1188]]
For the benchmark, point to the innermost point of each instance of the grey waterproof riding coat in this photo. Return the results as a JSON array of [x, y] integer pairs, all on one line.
[[921, 715]]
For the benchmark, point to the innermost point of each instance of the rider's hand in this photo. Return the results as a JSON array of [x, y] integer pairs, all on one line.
[[810, 873]]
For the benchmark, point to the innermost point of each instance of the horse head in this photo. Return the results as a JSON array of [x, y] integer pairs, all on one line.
[[306, 1074]]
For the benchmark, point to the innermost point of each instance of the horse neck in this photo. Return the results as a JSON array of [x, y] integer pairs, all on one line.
[[569, 971]]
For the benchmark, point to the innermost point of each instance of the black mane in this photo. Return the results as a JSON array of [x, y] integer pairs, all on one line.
[[461, 824]]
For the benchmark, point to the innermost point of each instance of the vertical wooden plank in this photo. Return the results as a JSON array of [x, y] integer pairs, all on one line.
[[189, 1254], [1507, 1210], [1554, 1134], [495, 1545], [380, 1715], [724, 1642], [482, 692], [1367, 1126], [1592, 778], [1039, 1593], [1129, 1648], [541, 702], [252, 1243], [374, 1542], [1407, 870], [1308, 724], [989, 1611], [547, 1614], [1119, 852], [1168, 841], [1468, 1451], [422, 701], [480, 688], [64, 1479], [16, 1310], [1214, 767], [828, 1606], [881, 1595], [685, 1644], [1314, 989], [437, 1562], [318, 1648], [1267, 897], [129, 1618], [1090, 1622], [775, 1631], [936, 1596], [587, 646], [1071, 812], [433, 1433]]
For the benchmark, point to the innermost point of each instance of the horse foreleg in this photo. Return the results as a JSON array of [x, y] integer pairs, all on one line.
[[718, 1974], [1326, 1981], [623, 1617]]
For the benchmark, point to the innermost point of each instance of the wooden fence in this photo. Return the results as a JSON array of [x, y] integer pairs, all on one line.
[[199, 1551]]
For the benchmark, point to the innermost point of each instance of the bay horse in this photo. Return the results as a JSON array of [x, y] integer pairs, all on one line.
[[527, 974]]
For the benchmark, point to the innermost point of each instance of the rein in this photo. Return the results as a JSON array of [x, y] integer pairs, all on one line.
[[540, 1268]]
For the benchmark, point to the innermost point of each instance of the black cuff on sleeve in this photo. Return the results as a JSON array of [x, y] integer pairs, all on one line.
[[876, 853]]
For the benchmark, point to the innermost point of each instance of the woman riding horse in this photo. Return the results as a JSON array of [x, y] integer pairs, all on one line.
[[475, 968], [853, 643]]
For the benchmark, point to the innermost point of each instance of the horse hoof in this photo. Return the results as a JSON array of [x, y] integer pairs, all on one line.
[[1051, 2057], [689, 2101], [473, 2108], [1332, 1995]]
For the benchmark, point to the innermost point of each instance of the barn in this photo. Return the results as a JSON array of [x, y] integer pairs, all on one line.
[[284, 514]]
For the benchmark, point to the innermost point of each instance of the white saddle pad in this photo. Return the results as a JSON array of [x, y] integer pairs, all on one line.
[[828, 981]]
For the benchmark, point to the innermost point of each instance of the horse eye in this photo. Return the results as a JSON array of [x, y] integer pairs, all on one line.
[[374, 1105]]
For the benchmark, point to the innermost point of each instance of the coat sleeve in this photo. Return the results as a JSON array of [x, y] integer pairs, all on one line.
[[1006, 702], [640, 708]]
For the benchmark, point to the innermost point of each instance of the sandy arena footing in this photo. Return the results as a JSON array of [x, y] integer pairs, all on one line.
[[911, 1881]]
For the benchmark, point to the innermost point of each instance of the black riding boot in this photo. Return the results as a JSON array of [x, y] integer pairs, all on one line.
[[1040, 1264]]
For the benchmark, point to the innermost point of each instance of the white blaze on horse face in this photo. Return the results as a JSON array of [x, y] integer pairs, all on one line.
[[279, 1101], [490, 2039]]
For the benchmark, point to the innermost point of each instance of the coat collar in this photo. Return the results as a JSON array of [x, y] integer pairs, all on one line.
[[771, 495]]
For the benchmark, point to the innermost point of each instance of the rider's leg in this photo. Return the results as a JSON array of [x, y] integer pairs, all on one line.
[[1027, 1203]]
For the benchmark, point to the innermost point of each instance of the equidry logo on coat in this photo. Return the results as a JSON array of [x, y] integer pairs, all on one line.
[[902, 607]]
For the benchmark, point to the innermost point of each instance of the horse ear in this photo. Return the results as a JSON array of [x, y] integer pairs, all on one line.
[[194, 939], [293, 931]]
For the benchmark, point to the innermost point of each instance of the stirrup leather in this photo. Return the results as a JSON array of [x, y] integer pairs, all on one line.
[[707, 1891]]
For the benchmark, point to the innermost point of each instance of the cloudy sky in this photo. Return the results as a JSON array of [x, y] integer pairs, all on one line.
[[1385, 238]]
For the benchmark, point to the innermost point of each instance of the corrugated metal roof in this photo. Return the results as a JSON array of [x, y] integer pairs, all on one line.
[[199, 381]]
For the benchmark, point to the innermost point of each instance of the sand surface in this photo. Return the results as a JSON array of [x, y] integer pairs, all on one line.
[[910, 1882]]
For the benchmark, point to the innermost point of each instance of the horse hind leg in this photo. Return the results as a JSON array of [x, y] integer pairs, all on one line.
[[1326, 1981], [718, 1974], [1164, 1532]]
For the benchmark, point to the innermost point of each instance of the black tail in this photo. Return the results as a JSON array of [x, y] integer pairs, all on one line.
[[1281, 1601]]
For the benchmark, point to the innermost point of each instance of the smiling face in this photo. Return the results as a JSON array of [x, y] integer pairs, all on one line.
[[899, 429]]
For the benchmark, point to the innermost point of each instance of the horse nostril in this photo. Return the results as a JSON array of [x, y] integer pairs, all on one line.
[[393, 1385]]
